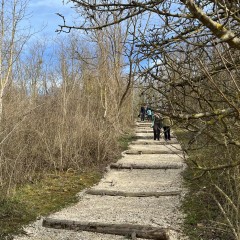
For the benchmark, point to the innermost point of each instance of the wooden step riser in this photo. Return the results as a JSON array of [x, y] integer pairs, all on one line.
[[129, 230], [132, 152], [164, 166], [103, 192]]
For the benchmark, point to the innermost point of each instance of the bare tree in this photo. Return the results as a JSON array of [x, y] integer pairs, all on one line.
[[188, 64], [185, 46], [11, 41]]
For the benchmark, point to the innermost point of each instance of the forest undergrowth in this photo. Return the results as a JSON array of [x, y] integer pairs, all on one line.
[[51, 192], [56, 142], [211, 194]]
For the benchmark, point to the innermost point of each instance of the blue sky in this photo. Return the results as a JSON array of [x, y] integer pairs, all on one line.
[[43, 15], [43, 21]]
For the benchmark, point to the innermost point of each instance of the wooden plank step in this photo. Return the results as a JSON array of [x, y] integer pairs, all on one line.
[[146, 166], [130, 230], [146, 136], [103, 192], [160, 151], [144, 131], [161, 142]]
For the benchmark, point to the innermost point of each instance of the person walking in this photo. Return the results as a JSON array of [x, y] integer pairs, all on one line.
[[166, 127], [142, 113], [157, 125], [149, 114]]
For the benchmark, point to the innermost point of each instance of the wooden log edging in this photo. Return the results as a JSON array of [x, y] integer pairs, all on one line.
[[131, 194], [145, 166], [140, 231], [143, 131], [139, 152], [146, 142], [147, 137]]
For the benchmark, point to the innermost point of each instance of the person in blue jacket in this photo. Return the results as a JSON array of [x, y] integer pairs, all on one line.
[[149, 114]]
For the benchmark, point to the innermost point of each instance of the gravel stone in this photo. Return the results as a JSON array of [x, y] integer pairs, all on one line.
[[163, 211], [141, 180]]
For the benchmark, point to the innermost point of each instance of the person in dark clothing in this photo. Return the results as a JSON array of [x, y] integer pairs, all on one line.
[[142, 113], [157, 125]]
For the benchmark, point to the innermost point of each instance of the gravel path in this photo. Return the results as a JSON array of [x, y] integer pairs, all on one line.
[[147, 210]]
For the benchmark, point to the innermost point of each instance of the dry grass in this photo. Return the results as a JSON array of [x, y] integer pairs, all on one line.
[[45, 140], [204, 218], [55, 133]]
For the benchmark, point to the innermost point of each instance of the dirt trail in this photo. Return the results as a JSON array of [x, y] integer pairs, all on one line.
[[139, 197]]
